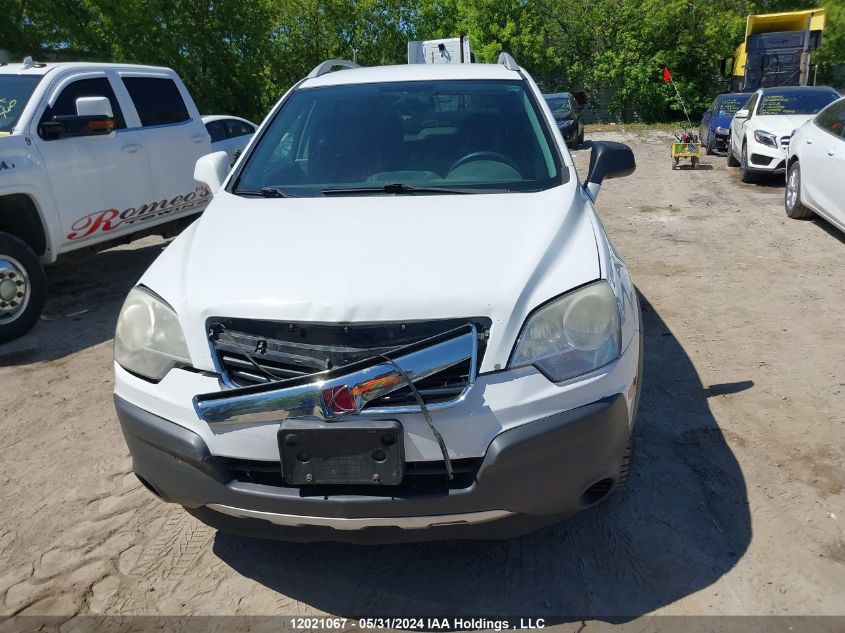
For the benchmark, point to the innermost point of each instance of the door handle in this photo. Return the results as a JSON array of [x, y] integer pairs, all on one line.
[[131, 148], [809, 141], [831, 152], [198, 138]]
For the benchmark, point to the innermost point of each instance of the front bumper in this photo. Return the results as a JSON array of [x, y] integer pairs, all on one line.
[[530, 475], [766, 159]]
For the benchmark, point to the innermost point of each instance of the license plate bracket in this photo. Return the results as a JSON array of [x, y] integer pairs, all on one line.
[[361, 452]]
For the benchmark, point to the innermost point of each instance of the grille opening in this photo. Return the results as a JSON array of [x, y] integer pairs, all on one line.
[[597, 492], [293, 350], [420, 478]]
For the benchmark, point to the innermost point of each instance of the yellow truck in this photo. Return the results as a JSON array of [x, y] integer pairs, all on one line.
[[777, 49]]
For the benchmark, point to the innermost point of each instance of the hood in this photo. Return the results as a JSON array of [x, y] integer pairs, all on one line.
[[782, 123], [378, 258], [722, 121]]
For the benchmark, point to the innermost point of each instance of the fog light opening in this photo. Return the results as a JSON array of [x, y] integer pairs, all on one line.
[[597, 492]]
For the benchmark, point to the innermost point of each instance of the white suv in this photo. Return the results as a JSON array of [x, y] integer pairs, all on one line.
[[400, 318]]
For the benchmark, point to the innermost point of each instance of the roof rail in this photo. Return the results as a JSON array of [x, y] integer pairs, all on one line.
[[326, 66], [507, 61]]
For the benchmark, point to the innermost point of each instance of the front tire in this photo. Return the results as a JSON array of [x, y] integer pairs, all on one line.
[[745, 174], [711, 145], [732, 161], [23, 287], [792, 196]]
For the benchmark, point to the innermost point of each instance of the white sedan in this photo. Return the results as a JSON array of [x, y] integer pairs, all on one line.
[[816, 166], [229, 134], [761, 130]]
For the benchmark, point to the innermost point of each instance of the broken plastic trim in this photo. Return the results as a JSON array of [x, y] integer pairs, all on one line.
[[365, 381]]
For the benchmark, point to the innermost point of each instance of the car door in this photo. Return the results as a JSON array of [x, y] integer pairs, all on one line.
[[738, 126], [823, 161], [97, 181], [176, 138]]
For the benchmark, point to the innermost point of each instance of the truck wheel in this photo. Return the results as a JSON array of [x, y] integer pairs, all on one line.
[[711, 145], [792, 198], [23, 287], [581, 137]]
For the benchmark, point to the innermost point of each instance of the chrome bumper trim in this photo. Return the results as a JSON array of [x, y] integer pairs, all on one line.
[[404, 523], [362, 382]]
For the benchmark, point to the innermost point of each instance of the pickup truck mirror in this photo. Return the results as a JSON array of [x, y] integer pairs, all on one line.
[[741, 114], [93, 117], [608, 160], [211, 170]]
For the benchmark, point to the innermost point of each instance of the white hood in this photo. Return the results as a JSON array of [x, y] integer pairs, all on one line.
[[782, 123], [378, 258]]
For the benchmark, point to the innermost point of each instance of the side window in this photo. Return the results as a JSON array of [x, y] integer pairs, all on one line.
[[157, 100], [238, 128], [833, 119], [751, 103], [65, 105], [216, 130]]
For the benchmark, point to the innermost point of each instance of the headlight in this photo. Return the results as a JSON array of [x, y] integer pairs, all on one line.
[[572, 335], [765, 138], [723, 131], [149, 340]]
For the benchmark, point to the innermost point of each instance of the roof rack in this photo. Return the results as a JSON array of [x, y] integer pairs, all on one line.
[[326, 66], [507, 61]]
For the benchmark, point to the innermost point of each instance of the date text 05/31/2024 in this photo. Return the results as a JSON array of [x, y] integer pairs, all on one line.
[[413, 624]]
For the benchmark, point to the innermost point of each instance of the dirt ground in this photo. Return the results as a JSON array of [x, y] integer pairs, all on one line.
[[736, 504]]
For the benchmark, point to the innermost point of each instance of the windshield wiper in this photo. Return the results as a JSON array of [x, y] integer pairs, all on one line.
[[264, 192], [401, 188]]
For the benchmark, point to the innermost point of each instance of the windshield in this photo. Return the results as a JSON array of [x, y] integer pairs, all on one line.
[[809, 102], [15, 91], [559, 105], [481, 136], [730, 105]]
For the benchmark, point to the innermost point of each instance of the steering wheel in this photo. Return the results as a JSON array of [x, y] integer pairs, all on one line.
[[484, 155]]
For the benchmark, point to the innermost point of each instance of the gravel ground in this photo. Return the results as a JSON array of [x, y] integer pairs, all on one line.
[[736, 503]]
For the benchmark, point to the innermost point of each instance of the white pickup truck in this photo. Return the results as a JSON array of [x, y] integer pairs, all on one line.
[[90, 155]]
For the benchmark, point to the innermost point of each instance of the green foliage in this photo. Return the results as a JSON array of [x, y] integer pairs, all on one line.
[[239, 56]]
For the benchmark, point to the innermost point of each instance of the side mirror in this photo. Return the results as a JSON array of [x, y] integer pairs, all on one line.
[[608, 160], [742, 114], [93, 117], [211, 170]]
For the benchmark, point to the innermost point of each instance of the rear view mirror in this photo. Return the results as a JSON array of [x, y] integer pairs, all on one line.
[[93, 117], [608, 160], [741, 114], [211, 170]]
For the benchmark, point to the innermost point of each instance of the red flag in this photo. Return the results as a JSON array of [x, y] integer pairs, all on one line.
[[667, 76]]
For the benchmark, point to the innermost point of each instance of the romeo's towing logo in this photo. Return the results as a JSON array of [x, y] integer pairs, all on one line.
[[110, 219]]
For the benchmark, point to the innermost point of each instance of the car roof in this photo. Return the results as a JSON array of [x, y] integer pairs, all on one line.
[[411, 72], [735, 94], [210, 118], [42, 68], [784, 90]]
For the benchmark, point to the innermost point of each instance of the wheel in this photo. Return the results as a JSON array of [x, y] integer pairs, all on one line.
[[732, 161], [745, 174], [711, 145], [23, 287], [674, 164], [792, 197], [581, 137], [694, 161]]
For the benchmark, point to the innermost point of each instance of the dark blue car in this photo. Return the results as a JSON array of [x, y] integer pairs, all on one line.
[[716, 122]]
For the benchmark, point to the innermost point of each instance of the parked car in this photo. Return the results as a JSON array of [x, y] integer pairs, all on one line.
[[815, 181], [715, 128], [761, 130], [567, 116], [418, 329], [229, 134], [90, 155]]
